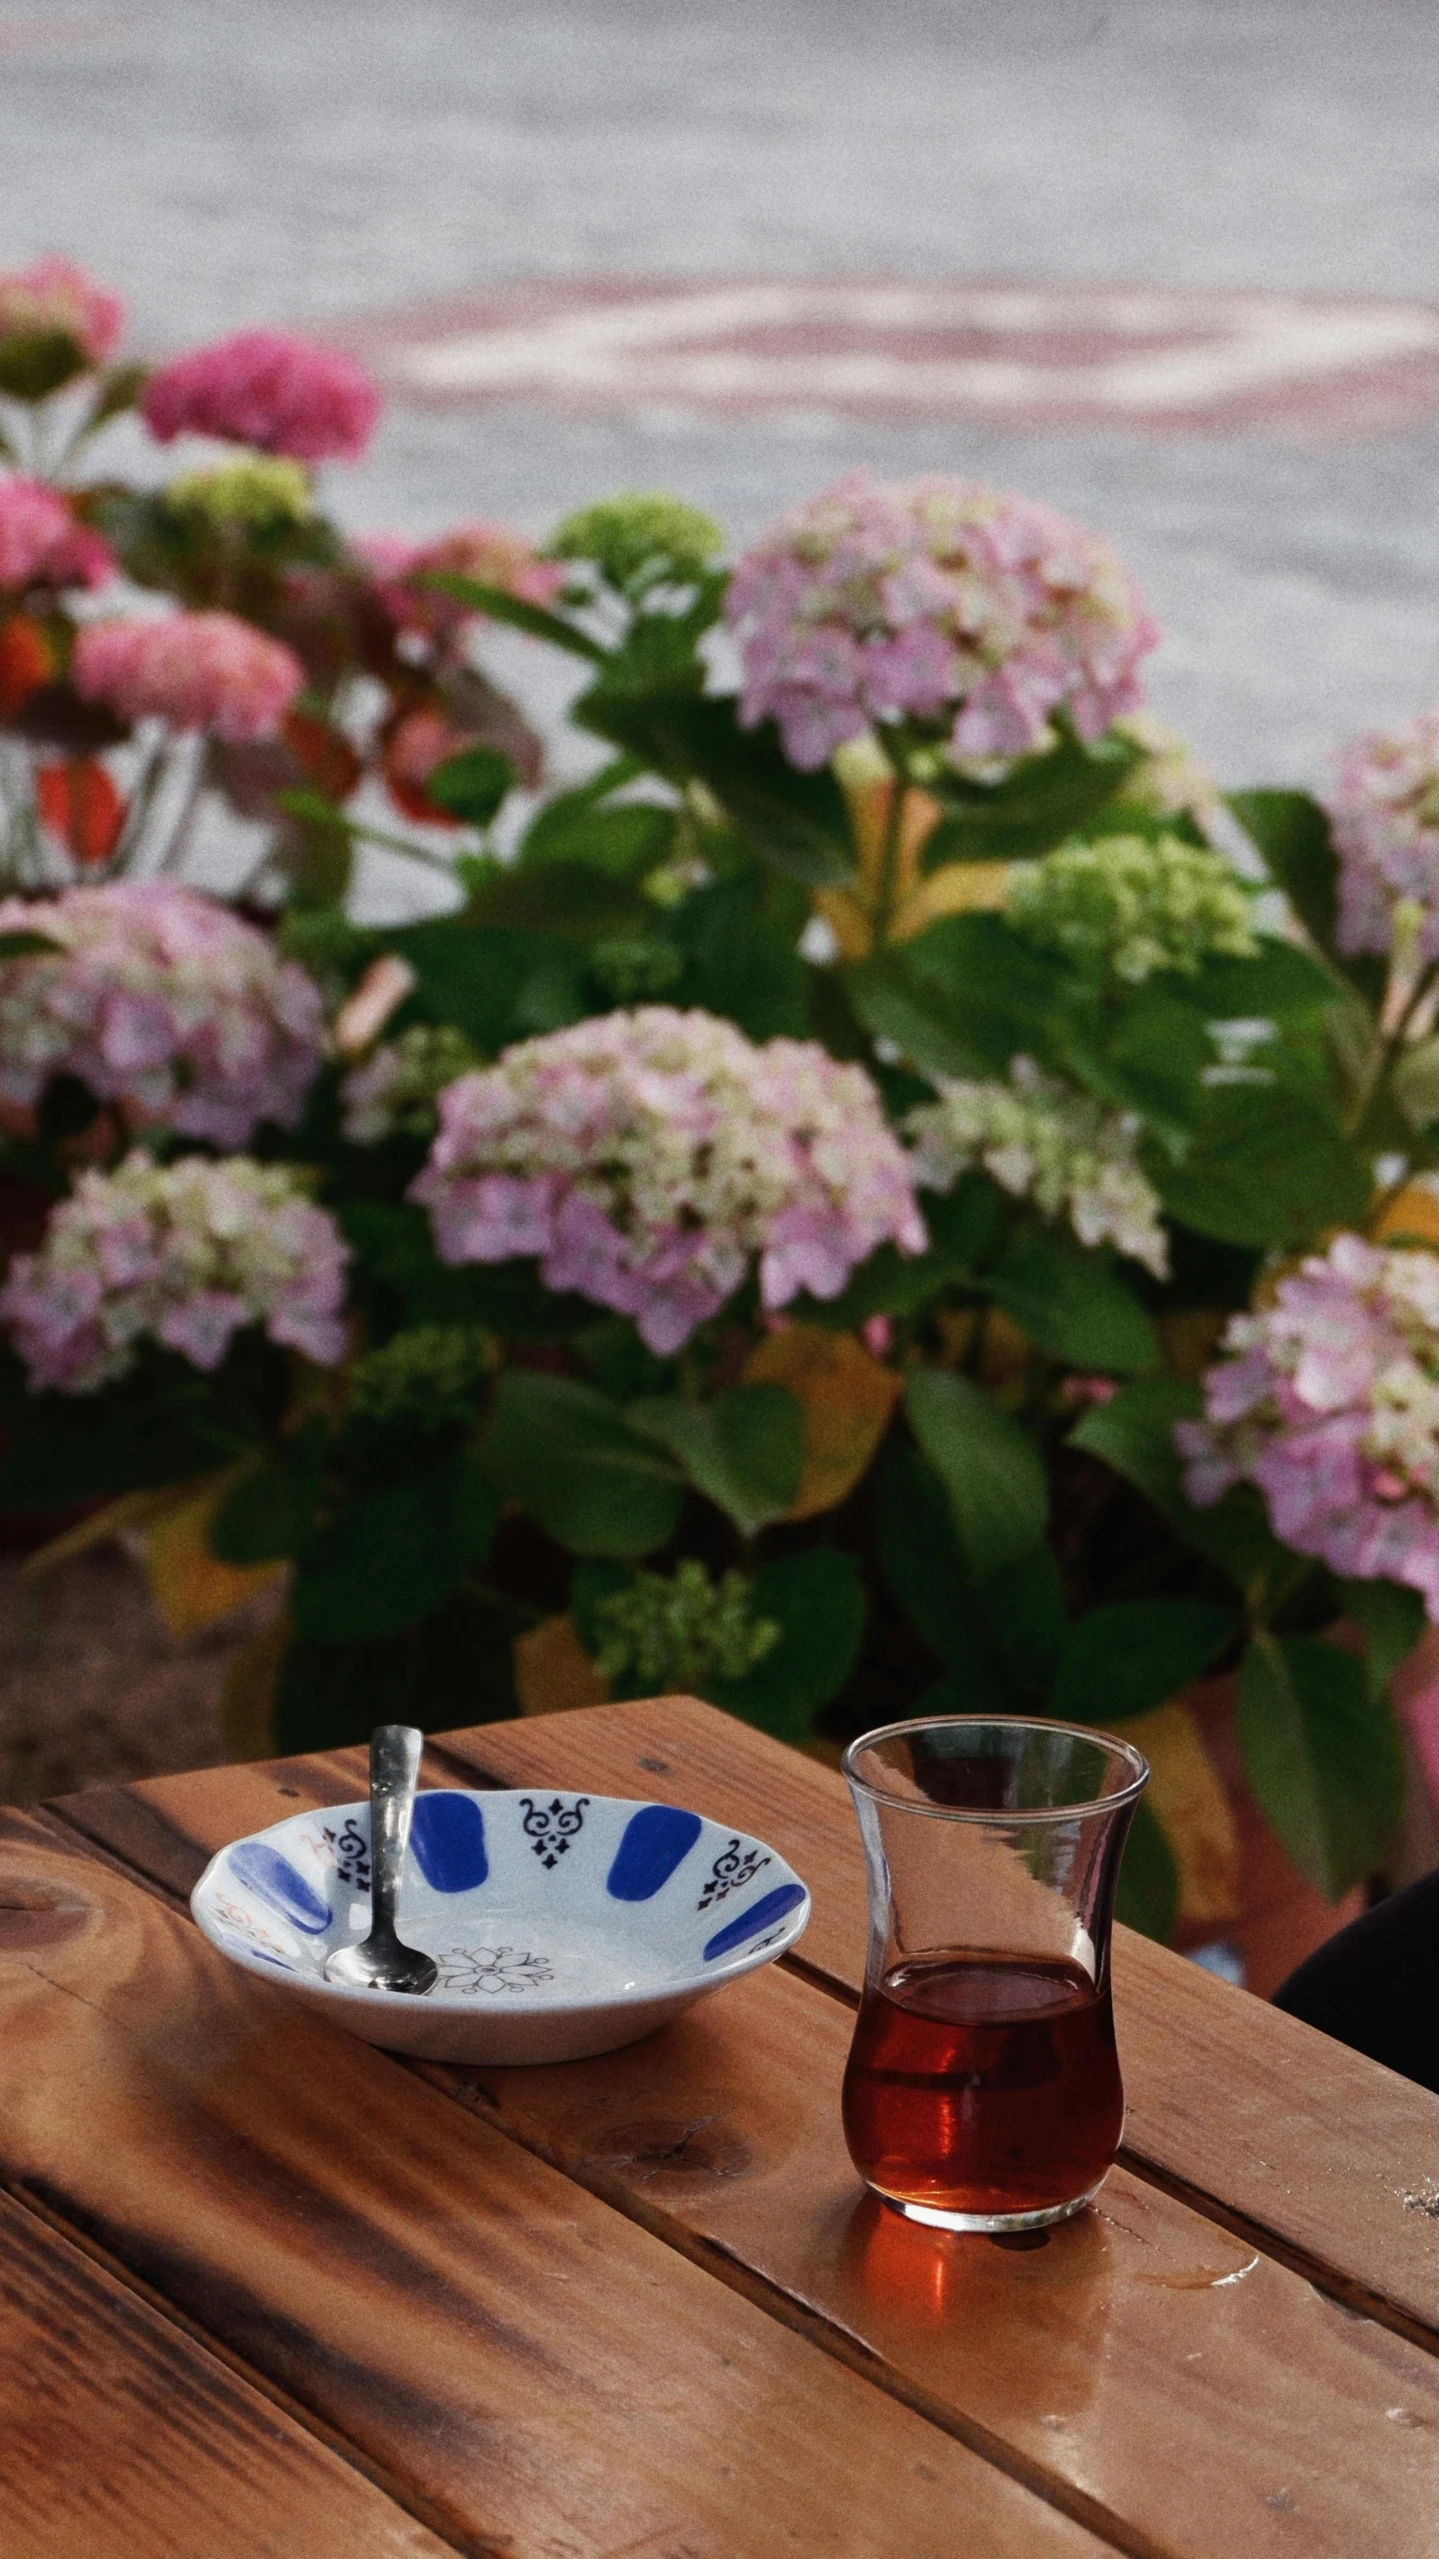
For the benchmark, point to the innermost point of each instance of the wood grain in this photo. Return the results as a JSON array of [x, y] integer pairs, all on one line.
[[1316, 2149], [1206, 2396], [121, 2438], [1214, 2402], [551, 2379], [1323, 2155]]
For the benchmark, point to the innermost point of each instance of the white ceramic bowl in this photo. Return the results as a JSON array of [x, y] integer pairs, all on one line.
[[563, 1924]]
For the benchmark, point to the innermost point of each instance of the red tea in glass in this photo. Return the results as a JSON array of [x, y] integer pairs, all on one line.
[[983, 2088]]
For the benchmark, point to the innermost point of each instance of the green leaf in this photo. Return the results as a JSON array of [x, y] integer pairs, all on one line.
[[1392, 1618], [740, 964], [1322, 1757], [817, 1598], [1292, 832], [271, 1511], [623, 841], [743, 1452], [1415, 1083], [433, 1674], [573, 1462], [471, 785], [798, 821], [920, 1558], [988, 1465], [963, 997], [1024, 1608], [390, 1559], [1270, 1167], [576, 902], [1148, 1895], [1134, 1433], [1155, 1059], [1280, 983], [497, 606], [487, 981], [1072, 1304], [1040, 801], [23, 946], [1124, 1659]]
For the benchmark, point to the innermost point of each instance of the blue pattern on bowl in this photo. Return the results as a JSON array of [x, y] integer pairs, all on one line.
[[561, 1924], [276, 1881], [448, 1839], [657, 1839], [760, 1915]]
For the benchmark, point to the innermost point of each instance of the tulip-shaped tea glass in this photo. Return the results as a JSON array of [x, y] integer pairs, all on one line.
[[983, 2088]]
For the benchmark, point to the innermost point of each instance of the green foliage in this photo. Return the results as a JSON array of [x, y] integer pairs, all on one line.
[[1322, 1756], [1148, 1894], [472, 785], [988, 1465], [388, 1559], [1292, 833], [451, 1668], [1125, 1659], [1040, 801], [1271, 1171], [679, 1631], [640, 541], [797, 821], [816, 1598], [743, 1452], [1072, 1303], [572, 1460], [1134, 1433]]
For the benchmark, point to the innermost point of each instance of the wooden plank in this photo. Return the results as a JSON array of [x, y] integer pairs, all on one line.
[[554, 2381], [1256, 2117], [1204, 2394], [1316, 2150], [119, 2435], [1213, 2401]]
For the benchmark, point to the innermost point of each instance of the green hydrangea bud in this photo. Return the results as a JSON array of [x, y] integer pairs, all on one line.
[[634, 970], [637, 542], [423, 1383], [1131, 906], [680, 1630], [255, 489]]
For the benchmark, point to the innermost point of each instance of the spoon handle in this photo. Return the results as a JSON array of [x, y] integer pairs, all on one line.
[[394, 1774]]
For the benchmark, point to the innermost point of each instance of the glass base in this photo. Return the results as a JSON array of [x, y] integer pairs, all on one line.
[[934, 2217]]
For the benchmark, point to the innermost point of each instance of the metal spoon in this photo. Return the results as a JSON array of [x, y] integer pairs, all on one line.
[[381, 1962]]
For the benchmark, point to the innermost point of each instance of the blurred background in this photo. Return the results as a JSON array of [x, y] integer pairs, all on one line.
[[351, 161], [397, 172]]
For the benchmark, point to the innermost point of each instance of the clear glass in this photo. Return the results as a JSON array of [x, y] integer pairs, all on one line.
[[983, 2088]]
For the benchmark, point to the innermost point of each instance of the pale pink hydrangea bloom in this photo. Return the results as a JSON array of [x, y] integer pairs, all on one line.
[[647, 1158], [269, 389], [193, 670], [163, 1001], [936, 600], [185, 1255], [52, 295], [492, 554], [1329, 1403], [1385, 814], [43, 544]]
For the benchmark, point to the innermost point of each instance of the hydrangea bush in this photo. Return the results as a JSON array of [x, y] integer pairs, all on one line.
[[883, 1193]]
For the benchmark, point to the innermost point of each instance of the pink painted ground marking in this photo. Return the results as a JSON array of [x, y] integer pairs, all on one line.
[[1145, 358]]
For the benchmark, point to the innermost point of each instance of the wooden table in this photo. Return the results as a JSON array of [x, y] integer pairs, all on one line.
[[266, 2291]]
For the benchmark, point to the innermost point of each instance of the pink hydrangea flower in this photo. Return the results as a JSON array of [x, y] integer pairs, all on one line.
[[492, 554], [163, 1001], [1384, 810], [43, 545], [193, 670], [1329, 1403], [934, 600], [186, 1255], [269, 389], [649, 1158], [52, 295]]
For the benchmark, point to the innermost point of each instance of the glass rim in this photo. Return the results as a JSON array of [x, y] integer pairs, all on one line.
[[992, 1813]]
